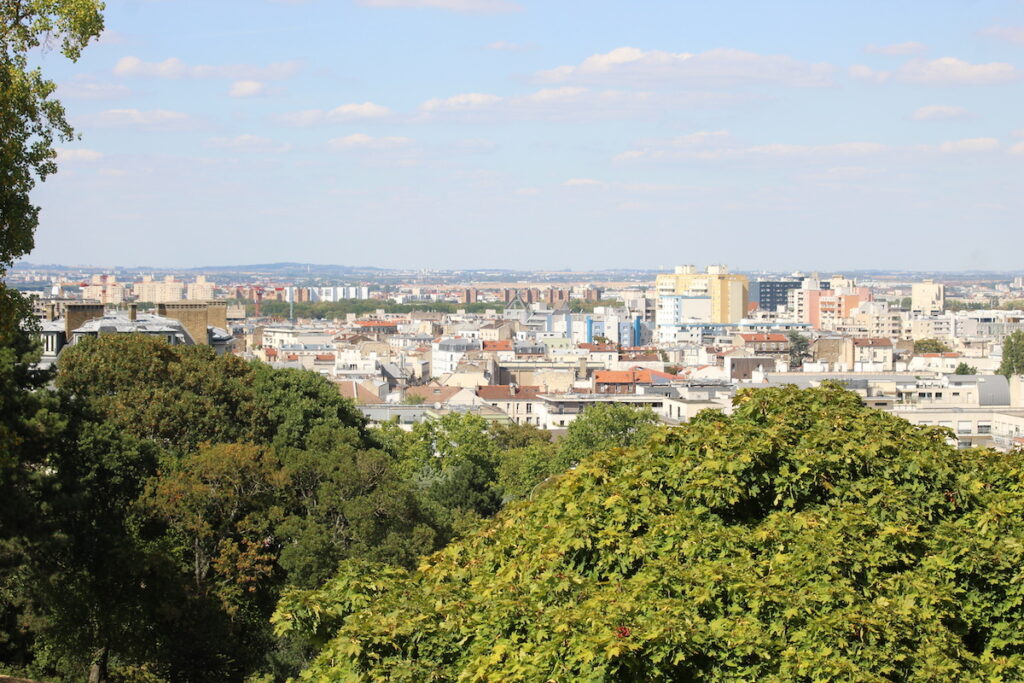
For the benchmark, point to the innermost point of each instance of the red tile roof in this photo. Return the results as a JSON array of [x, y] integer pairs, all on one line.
[[763, 338], [352, 389], [500, 345], [603, 348], [873, 341], [503, 392], [433, 393]]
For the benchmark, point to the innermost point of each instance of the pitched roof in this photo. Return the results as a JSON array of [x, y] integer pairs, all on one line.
[[503, 392], [500, 345], [354, 390], [433, 392], [763, 337], [872, 341], [603, 348]]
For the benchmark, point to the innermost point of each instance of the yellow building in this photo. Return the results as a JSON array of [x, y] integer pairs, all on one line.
[[714, 296]]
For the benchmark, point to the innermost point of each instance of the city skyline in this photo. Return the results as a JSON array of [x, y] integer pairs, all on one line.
[[449, 134]]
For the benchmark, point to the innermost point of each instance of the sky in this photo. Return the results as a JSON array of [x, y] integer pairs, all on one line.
[[544, 134]]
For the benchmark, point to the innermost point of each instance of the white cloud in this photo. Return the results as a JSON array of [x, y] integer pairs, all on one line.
[[249, 143], [88, 89], [1013, 34], [583, 182], [969, 145], [941, 112], [1017, 148], [949, 70], [844, 173], [111, 37], [565, 103], [909, 48], [479, 6], [341, 114], [247, 89], [465, 101], [715, 68], [360, 141], [721, 146], [504, 45], [157, 119], [942, 71], [73, 155], [175, 68]]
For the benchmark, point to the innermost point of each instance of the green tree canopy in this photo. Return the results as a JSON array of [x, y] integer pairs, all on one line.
[[965, 369], [182, 396], [804, 537], [931, 346], [603, 426], [31, 120], [799, 348], [1013, 355]]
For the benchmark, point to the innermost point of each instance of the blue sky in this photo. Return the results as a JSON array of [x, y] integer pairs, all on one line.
[[564, 133]]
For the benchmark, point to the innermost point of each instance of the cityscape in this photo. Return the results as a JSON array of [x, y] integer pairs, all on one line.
[[415, 346], [511, 341]]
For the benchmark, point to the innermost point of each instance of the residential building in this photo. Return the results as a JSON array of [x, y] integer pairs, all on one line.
[[686, 296], [927, 298]]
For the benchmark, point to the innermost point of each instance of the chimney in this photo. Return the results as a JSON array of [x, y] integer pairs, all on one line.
[[133, 312], [51, 311], [77, 314]]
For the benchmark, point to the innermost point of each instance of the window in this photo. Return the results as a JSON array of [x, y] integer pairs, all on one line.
[[963, 427], [529, 407], [984, 427]]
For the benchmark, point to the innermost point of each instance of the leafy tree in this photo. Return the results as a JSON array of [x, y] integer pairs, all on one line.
[[522, 470], [931, 346], [603, 426], [31, 120], [414, 399], [965, 369], [346, 502], [514, 435], [1013, 355], [799, 349], [182, 396], [85, 582], [804, 537], [453, 462]]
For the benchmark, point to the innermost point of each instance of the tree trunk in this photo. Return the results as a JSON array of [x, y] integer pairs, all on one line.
[[98, 669]]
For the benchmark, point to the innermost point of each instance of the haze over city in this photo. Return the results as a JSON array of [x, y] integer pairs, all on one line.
[[522, 134]]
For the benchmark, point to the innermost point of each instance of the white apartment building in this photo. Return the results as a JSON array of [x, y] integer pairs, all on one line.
[[200, 290], [927, 298], [159, 291]]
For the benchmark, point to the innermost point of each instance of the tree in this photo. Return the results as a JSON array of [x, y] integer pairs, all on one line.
[[86, 584], [799, 349], [414, 399], [931, 346], [965, 369], [603, 426], [31, 120], [1013, 355], [803, 537], [182, 396]]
